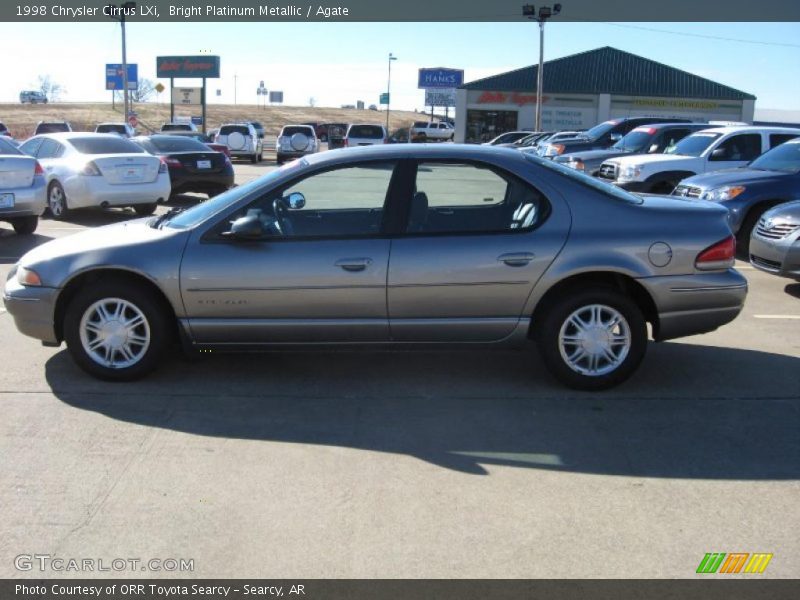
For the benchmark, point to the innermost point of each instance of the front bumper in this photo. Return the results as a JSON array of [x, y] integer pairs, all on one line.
[[28, 202], [693, 304], [780, 257], [32, 308]]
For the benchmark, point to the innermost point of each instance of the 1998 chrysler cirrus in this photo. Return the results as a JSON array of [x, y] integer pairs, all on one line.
[[391, 245]]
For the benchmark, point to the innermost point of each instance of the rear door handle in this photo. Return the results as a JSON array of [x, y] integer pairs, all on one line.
[[516, 259], [353, 264]]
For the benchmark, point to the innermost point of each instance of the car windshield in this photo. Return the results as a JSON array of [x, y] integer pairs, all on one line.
[[229, 129], [111, 129], [600, 130], [694, 145], [204, 210], [292, 129], [373, 132], [104, 145], [785, 157], [176, 127], [635, 141], [52, 128], [169, 144], [580, 177], [7, 147]]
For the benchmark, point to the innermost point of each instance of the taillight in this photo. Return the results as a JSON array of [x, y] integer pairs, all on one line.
[[38, 170], [172, 162], [90, 169], [721, 255]]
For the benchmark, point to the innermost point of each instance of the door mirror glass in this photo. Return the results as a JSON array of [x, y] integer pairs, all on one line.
[[295, 201], [653, 148], [718, 154], [615, 137]]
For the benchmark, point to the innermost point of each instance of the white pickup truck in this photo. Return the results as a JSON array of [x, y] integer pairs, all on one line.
[[422, 131], [703, 151]]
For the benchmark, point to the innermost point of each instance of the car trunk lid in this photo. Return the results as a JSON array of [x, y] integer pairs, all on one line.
[[123, 169], [16, 171]]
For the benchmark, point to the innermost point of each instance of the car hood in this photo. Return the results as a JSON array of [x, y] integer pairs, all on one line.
[[132, 245], [741, 176], [788, 212]]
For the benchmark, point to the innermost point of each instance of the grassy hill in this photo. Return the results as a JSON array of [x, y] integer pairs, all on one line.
[[21, 119]]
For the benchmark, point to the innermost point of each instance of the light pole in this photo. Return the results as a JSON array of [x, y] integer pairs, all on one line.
[[545, 12], [389, 91], [118, 13]]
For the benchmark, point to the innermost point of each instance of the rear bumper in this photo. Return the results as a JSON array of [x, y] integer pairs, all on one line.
[[778, 257], [201, 182], [82, 194], [32, 308], [693, 304], [28, 202]]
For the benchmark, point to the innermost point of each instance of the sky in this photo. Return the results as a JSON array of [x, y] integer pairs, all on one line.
[[340, 63]]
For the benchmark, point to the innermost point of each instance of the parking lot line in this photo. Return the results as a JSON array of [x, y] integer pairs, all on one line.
[[777, 316]]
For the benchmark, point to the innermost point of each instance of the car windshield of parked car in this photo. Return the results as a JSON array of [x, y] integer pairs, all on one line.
[[51, 128], [372, 132], [582, 178], [785, 157], [202, 211], [598, 131], [7, 147], [291, 130], [694, 145], [169, 144], [104, 145], [635, 141]]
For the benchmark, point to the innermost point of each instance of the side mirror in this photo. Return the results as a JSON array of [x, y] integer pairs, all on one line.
[[248, 227], [653, 148], [295, 201], [615, 137], [718, 154]]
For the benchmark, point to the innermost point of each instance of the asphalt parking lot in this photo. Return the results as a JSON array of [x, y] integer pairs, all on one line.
[[397, 464]]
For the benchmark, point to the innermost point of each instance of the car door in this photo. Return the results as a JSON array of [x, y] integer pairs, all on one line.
[[474, 246], [316, 273], [734, 151]]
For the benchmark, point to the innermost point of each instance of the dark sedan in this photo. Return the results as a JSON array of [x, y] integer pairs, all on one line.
[[193, 166], [749, 191]]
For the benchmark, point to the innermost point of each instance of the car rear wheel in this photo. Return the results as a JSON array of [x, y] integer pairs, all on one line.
[[116, 331], [145, 209], [57, 201], [593, 339], [25, 225]]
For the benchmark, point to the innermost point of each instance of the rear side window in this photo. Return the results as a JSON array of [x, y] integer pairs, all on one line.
[[292, 129], [229, 129], [454, 197], [744, 146], [103, 145], [776, 139], [372, 132]]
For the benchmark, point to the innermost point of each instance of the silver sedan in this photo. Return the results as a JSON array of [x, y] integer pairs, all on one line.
[[403, 245], [22, 188]]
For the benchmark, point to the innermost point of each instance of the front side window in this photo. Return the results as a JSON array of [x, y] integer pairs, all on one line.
[[341, 202], [738, 147], [453, 197]]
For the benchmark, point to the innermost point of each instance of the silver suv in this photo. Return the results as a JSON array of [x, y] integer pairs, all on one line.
[[295, 141], [242, 140]]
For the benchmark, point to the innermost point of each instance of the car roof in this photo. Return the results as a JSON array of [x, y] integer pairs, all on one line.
[[675, 124], [753, 128], [416, 151]]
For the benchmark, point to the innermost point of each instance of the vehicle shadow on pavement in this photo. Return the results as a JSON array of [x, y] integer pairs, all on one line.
[[793, 289], [690, 412], [97, 217], [13, 246]]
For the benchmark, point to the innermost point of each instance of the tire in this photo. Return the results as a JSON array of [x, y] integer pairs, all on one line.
[[57, 201], [254, 158], [745, 229], [81, 330], [323, 138], [571, 357], [260, 156], [663, 187], [25, 225], [145, 209]]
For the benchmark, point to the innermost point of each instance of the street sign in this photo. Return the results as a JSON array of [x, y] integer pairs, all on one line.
[[276, 97], [187, 96], [440, 78], [187, 66], [197, 120], [114, 76], [160, 87], [440, 97], [384, 99]]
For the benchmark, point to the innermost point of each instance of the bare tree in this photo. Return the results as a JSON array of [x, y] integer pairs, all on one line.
[[51, 89], [312, 102], [144, 90]]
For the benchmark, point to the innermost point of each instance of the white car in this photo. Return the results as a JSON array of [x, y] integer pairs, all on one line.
[[422, 131], [707, 150], [123, 129], [365, 135], [98, 170], [242, 140], [22, 188], [295, 141]]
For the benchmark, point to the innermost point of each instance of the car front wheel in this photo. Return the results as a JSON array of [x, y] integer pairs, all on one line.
[[116, 331], [593, 339]]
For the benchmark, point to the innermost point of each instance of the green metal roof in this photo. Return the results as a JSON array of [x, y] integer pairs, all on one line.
[[609, 71]]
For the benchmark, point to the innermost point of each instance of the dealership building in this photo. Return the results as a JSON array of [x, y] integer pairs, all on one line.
[[582, 90]]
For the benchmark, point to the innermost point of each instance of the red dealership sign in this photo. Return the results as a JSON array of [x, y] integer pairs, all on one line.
[[509, 98]]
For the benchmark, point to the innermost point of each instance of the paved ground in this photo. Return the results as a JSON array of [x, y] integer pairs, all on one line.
[[437, 464]]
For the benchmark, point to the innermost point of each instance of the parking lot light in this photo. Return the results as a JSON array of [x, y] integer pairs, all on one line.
[[389, 90], [118, 13], [545, 12]]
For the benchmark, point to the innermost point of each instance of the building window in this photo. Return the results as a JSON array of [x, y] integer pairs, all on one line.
[[484, 125]]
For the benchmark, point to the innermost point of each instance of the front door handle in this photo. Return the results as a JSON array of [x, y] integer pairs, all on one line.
[[353, 264], [516, 259]]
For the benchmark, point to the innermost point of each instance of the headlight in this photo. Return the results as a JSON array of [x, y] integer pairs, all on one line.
[[576, 163], [726, 192], [28, 277], [630, 172]]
